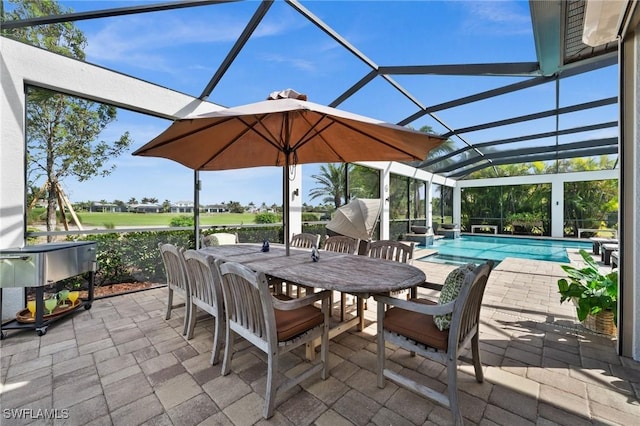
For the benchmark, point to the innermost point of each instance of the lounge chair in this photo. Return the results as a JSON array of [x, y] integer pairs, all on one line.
[[606, 251], [599, 241], [614, 259]]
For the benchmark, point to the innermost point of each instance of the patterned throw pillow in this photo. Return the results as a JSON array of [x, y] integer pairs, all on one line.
[[451, 290]]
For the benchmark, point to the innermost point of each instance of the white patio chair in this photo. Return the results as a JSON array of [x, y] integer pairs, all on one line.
[[173, 260], [341, 244], [273, 326], [206, 293], [303, 240], [410, 325], [219, 238], [392, 250]]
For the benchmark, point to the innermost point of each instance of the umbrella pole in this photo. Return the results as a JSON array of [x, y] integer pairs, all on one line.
[[196, 207], [285, 204]]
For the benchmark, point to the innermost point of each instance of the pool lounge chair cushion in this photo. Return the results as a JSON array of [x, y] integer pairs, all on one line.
[[450, 291]]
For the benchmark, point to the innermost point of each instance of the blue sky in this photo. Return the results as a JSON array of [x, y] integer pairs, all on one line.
[[181, 49]]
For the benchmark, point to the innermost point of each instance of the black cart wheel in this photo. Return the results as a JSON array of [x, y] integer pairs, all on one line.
[[87, 306], [41, 332]]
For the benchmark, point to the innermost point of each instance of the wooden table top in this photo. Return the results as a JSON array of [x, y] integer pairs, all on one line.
[[334, 271]]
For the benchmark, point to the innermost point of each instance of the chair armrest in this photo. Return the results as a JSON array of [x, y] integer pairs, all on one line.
[[287, 305], [408, 305], [431, 286]]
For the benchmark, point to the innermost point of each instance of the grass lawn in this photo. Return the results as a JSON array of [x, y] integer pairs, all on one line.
[[161, 219]]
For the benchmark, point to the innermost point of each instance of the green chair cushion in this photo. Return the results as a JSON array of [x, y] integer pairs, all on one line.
[[450, 291]]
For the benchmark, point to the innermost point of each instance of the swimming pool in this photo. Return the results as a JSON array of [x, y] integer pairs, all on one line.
[[476, 249]]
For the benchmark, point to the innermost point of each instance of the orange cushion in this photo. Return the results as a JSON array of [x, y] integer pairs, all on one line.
[[416, 326], [291, 323]]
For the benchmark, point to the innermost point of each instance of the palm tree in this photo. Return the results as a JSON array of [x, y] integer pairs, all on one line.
[[331, 181]]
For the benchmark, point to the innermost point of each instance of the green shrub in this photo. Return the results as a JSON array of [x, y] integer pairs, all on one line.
[[267, 217], [181, 221], [309, 217], [134, 256], [36, 215], [259, 234]]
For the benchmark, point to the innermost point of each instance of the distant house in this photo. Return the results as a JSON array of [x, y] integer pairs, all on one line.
[[145, 208], [41, 203], [182, 207], [104, 208], [214, 208]]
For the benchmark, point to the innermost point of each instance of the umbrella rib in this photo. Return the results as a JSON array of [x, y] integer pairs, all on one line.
[[249, 127], [308, 136], [227, 145], [183, 135], [336, 120], [270, 138], [381, 141], [267, 136]]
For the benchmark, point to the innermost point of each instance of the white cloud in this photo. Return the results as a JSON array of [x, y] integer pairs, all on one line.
[[496, 17], [142, 40]]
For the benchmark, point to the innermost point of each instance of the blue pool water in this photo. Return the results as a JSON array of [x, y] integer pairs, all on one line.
[[477, 249]]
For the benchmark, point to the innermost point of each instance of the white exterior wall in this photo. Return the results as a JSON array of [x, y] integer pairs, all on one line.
[[629, 306], [557, 207], [295, 201]]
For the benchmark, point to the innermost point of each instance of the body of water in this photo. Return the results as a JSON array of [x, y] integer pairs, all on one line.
[[477, 249]]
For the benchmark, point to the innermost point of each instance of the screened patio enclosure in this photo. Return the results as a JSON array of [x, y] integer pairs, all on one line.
[[588, 106]]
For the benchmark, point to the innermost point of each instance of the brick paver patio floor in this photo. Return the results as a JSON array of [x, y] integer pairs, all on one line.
[[122, 363]]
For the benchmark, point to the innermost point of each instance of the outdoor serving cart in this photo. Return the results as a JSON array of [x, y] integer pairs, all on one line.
[[37, 266]]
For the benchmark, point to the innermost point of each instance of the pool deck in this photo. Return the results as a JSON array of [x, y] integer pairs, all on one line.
[[122, 363]]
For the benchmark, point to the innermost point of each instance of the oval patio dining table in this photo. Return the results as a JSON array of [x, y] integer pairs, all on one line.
[[361, 276]]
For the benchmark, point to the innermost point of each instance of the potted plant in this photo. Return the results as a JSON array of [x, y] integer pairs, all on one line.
[[594, 294]]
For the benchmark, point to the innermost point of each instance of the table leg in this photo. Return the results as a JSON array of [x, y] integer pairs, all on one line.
[[311, 349], [360, 313]]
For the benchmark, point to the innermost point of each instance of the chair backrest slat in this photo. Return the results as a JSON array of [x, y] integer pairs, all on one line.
[[173, 260], [391, 250], [341, 244], [203, 279], [248, 300], [305, 240]]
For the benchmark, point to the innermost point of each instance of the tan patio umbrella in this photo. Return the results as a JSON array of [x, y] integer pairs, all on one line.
[[356, 219], [285, 130]]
